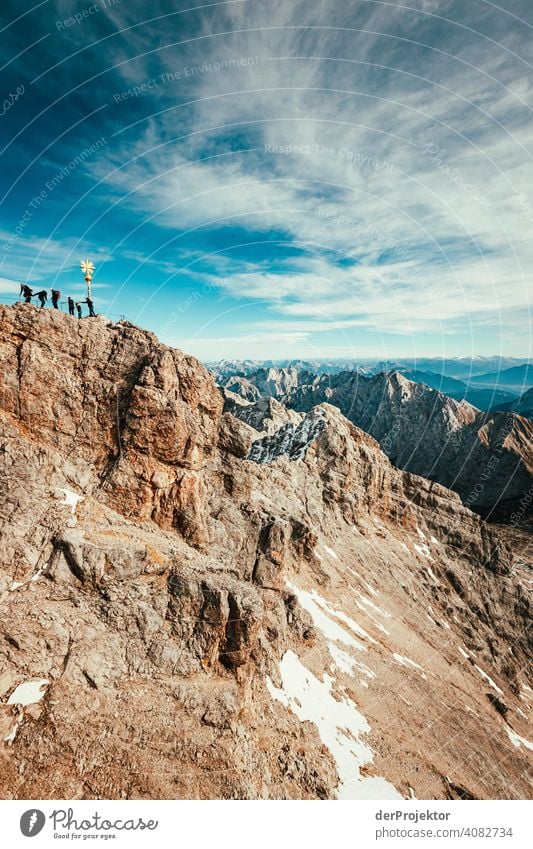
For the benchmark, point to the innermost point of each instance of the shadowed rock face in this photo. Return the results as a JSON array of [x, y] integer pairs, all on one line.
[[190, 607]]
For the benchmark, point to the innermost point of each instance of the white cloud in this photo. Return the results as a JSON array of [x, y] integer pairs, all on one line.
[[419, 170]]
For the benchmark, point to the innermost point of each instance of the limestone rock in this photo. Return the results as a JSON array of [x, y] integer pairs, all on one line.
[[203, 597]]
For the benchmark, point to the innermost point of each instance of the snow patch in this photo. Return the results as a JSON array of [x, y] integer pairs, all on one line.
[[11, 735], [314, 604], [349, 621], [518, 741], [489, 679], [406, 661], [318, 607], [339, 723], [423, 550], [71, 499], [330, 552], [28, 693], [291, 439], [372, 591], [348, 664], [16, 585], [378, 625], [371, 604]]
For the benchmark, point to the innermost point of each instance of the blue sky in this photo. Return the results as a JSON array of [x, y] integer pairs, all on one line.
[[276, 178]]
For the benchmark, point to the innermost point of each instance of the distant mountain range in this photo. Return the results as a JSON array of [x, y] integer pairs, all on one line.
[[483, 398], [523, 405], [488, 383], [459, 367], [516, 379]]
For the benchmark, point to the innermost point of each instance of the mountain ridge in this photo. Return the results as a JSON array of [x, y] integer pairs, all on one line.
[[163, 591], [424, 431]]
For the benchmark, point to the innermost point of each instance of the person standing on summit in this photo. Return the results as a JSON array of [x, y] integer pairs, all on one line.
[[70, 303], [56, 294], [90, 304], [26, 292], [43, 297]]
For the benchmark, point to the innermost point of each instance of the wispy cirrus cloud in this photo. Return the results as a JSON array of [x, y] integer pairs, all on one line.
[[366, 164]]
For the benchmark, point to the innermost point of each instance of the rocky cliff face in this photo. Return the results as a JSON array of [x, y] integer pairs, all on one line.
[[265, 415], [266, 382], [486, 457], [191, 607]]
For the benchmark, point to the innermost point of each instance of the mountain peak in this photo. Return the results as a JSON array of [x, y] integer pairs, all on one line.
[[156, 550]]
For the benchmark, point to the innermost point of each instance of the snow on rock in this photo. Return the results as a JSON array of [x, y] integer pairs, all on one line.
[[71, 499], [330, 552], [348, 621], [374, 607], [518, 741], [489, 680], [339, 723], [11, 735], [28, 693], [431, 574], [315, 604], [372, 591], [16, 585], [365, 610], [291, 439], [406, 661], [348, 664]]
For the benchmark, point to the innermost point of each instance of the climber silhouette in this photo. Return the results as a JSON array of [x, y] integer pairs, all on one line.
[[56, 294], [90, 304], [70, 303], [78, 307], [43, 297], [27, 292]]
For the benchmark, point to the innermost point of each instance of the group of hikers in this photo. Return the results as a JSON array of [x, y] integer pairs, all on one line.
[[28, 294]]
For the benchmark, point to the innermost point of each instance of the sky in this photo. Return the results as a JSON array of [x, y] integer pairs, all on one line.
[[276, 178]]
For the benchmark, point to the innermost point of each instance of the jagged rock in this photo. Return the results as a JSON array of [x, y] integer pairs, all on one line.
[[192, 589], [486, 457], [265, 415], [235, 437]]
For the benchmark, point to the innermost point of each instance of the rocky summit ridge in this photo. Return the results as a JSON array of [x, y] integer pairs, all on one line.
[[191, 607]]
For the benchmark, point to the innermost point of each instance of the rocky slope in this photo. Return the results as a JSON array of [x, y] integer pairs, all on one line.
[[485, 457], [266, 382], [192, 608], [265, 415]]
